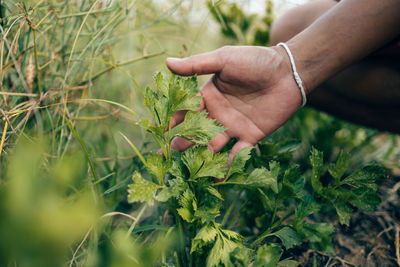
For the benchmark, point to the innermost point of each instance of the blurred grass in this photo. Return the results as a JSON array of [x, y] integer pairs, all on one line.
[[70, 72]]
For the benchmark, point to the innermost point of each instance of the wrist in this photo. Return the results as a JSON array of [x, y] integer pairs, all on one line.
[[289, 73], [296, 75], [310, 65]]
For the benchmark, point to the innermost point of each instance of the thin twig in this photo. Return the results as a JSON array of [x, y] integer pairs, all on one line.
[[374, 249], [80, 245], [139, 216], [384, 231], [18, 94], [97, 75], [342, 261], [3, 138], [119, 213], [110, 214]]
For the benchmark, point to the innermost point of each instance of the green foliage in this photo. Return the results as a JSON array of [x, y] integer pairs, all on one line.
[[201, 162], [289, 237], [142, 190], [39, 207], [268, 255], [246, 29], [239, 161], [356, 190], [197, 128], [260, 177], [287, 199]]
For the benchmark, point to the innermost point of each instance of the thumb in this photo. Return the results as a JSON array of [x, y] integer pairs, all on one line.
[[207, 63]]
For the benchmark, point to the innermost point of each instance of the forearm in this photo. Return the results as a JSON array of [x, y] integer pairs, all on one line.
[[345, 34]]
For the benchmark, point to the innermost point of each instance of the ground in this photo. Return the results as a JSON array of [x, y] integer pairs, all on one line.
[[371, 239]]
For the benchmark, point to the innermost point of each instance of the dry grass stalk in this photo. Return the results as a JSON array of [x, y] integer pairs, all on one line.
[[3, 138], [30, 73]]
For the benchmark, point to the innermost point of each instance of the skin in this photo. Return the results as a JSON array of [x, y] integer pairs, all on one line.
[[367, 92], [252, 91]]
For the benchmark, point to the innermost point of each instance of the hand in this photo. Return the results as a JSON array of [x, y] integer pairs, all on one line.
[[251, 93]]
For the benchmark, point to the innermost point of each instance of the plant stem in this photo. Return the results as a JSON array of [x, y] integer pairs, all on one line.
[[135, 149], [271, 229], [97, 75], [84, 148], [229, 210], [36, 60], [181, 234], [274, 213], [169, 139]]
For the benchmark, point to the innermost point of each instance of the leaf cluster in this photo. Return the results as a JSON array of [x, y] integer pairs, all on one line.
[[241, 27], [278, 201]]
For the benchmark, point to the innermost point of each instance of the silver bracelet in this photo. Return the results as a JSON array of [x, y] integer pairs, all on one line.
[[295, 74]]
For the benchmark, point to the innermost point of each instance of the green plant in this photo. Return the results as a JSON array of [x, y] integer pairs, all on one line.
[[242, 28], [265, 173], [64, 167]]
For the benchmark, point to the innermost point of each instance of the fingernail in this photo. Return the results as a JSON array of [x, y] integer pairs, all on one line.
[[173, 59]]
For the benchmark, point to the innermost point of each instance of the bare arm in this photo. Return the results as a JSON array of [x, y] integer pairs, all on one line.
[[348, 32], [253, 92]]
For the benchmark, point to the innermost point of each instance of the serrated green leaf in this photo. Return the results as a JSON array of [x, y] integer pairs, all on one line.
[[206, 214], [162, 82], [268, 255], [318, 235], [188, 205], [242, 256], [232, 235], [365, 199], [337, 170], [306, 207], [205, 236], [177, 95], [142, 190], [175, 188], [180, 91], [289, 237], [317, 163], [159, 107], [203, 163], [344, 212], [162, 112], [292, 174], [190, 85], [164, 195], [292, 184], [156, 166], [176, 169], [147, 125], [214, 192], [221, 251], [365, 178], [266, 202], [197, 128], [191, 104], [150, 98], [260, 177], [239, 161]]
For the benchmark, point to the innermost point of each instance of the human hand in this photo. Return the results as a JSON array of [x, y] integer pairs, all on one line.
[[251, 93]]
